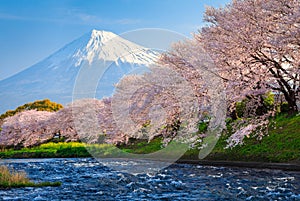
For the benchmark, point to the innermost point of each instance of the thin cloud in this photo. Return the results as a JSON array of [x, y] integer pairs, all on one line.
[[73, 17], [128, 21], [5, 16], [89, 19]]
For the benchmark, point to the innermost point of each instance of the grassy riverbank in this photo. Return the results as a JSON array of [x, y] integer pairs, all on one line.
[[59, 150], [77, 150], [282, 145], [14, 179]]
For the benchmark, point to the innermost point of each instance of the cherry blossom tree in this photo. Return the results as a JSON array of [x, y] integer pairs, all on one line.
[[156, 103], [255, 45], [25, 129], [31, 128]]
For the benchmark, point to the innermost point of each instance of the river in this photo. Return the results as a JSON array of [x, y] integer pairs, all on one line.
[[90, 179]]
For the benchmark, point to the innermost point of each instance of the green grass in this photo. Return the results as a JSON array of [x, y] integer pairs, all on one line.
[[29, 184], [155, 149], [65, 150], [14, 179], [48, 150], [77, 149], [281, 145], [143, 146]]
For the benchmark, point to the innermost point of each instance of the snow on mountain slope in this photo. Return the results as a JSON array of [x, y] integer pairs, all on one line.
[[54, 77], [97, 49]]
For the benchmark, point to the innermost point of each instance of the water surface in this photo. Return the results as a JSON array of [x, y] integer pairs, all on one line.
[[89, 179]]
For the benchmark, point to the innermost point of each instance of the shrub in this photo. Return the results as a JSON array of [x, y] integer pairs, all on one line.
[[267, 103]]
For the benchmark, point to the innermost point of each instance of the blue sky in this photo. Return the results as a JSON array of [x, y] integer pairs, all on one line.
[[33, 29]]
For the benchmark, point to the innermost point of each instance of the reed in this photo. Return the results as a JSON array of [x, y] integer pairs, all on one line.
[[11, 178]]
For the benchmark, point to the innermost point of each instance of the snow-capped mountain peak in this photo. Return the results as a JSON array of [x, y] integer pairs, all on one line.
[[107, 46], [101, 36]]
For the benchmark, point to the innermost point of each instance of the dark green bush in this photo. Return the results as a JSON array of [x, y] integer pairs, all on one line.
[[267, 103], [284, 108]]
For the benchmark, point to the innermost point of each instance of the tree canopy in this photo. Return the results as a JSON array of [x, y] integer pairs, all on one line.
[[256, 46], [39, 105]]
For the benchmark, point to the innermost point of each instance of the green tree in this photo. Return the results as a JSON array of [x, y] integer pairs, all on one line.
[[39, 105]]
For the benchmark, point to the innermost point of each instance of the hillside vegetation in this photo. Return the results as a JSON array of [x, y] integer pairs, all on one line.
[[282, 144], [39, 105]]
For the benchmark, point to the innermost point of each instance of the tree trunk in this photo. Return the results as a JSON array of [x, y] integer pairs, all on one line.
[[292, 104]]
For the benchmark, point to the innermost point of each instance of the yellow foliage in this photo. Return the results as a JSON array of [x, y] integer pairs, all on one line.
[[40, 105]]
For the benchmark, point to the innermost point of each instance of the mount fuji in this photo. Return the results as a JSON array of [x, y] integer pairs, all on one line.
[[54, 77]]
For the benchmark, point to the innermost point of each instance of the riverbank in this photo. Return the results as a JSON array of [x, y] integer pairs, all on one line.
[[243, 164], [280, 145], [279, 150], [80, 150]]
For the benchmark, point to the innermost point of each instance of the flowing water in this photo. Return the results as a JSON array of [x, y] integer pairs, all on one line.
[[90, 179]]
